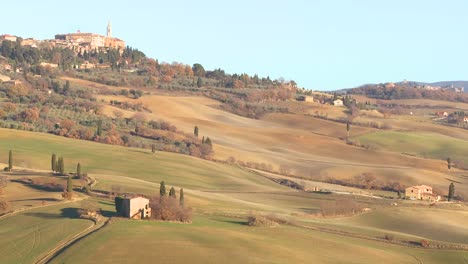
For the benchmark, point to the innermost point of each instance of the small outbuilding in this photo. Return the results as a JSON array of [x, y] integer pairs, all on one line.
[[338, 102]]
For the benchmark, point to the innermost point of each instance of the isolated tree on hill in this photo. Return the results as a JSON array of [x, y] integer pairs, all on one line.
[[195, 131], [78, 170], [162, 189], [153, 148], [451, 192], [172, 193], [348, 127], [54, 163], [449, 163], [181, 197], [10, 160], [199, 82]]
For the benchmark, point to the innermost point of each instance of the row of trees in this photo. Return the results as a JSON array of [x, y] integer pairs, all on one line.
[[172, 193], [58, 165]]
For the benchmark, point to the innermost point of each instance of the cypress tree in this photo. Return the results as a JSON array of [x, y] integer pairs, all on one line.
[[449, 163], [195, 131], [61, 166], [54, 163], [172, 193], [208, 141], [69, 184], [78, 170], [203, 140], [162, 189], [69, 187], [99, 128], [58, 165], [10, 160], [348, 127], [199, 82], [451, 192], [153, 148], [181, 197]]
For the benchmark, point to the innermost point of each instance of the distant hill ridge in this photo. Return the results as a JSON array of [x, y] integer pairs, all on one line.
[[454, 91], [463, 84]]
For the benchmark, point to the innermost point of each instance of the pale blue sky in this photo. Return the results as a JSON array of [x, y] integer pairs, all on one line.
[[321, 44]]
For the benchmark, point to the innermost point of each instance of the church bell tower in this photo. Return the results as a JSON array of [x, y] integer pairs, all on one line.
[[109, 30]]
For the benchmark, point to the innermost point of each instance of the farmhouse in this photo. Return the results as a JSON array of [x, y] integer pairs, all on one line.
[[421, 192], [133, 207], [338, 102], [441, 114]]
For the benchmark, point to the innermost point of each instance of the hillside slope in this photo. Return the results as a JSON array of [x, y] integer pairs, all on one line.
[[303, 145]]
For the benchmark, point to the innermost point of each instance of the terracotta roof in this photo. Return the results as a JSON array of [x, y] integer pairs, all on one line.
[[420, 187], [133, 196]]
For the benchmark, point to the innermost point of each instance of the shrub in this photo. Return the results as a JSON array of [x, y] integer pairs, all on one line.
[[4, 206], [266, 220], [168, 209], [389, 237], [425, 243], [258, 220], [340, 207]]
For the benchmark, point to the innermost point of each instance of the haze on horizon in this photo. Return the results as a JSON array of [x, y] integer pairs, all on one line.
[[325, 46]]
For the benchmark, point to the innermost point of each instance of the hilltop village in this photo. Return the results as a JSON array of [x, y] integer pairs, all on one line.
[[78, 41]]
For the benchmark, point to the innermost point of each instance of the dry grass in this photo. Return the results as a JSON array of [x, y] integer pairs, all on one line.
[[311, 147]]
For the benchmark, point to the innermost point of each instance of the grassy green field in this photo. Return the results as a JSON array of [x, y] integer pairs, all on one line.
[[214, 190], [408, 223], [33, 150], [27, 236], [430, 146], [427, 145], [224, 240]]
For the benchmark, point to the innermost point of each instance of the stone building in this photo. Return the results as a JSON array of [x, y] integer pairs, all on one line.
[[135, 207], [421, 192]]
